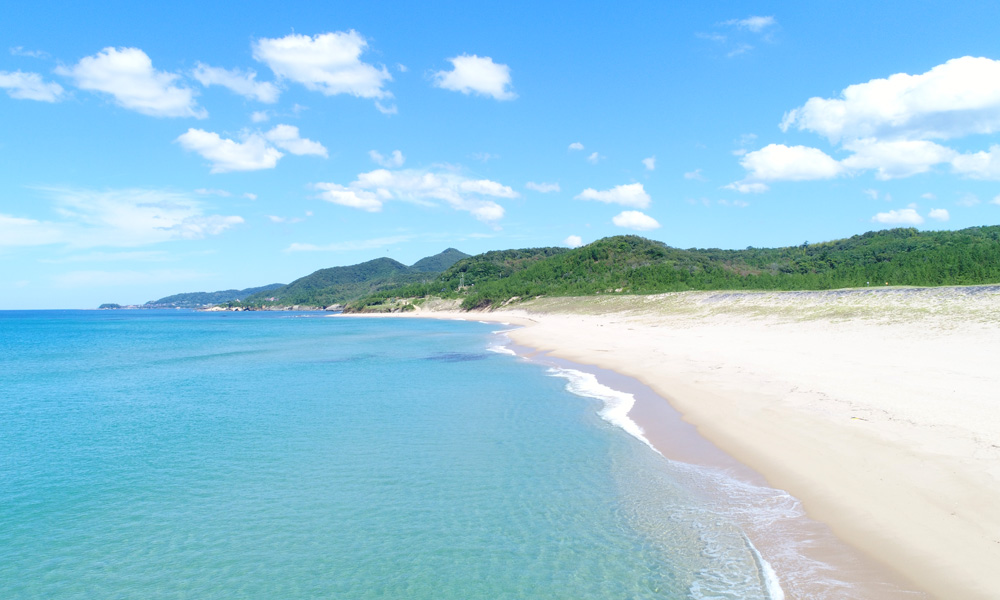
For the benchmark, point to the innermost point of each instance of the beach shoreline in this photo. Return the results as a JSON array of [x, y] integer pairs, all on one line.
[[875, 410]]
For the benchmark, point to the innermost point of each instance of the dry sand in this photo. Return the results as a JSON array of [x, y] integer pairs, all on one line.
[[879, 409]]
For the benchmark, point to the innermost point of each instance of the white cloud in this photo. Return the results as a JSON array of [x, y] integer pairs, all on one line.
[[995, 200], [928, 196], [328, 63], [543, 188], [695, 175], [979, 165], [352, 197], [260, 116], [394, 160], [633, 219], [20, 51], [243, 83], [130, 217], [484, 156], [939, 214], [250, 196], [129, 76], [474, 74], [955, 99], [903, 216], [895, 159], [287, 138], [744, 187], [386, 110], [649, 163], [873, 194], [350, 245], [777, 162], [254, 152], [16, 231], [30, 86], [594, 158], [576, 146], [372, 189], [573, 241], [226, 155], [755, 24], [631, 194]]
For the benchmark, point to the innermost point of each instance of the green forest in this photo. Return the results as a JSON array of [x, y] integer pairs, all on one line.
[[634, 265]]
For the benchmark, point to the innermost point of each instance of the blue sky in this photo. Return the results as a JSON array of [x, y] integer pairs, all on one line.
[[200, 146]]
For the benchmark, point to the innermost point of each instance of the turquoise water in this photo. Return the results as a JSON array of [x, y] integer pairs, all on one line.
[[168, 454]]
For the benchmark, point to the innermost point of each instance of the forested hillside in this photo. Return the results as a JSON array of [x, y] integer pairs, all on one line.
[[632, 264], [337, 285], [199, 299]]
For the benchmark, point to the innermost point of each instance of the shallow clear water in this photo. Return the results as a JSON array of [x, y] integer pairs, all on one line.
[[156, 454]]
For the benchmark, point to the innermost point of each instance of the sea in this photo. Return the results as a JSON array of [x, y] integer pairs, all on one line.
[[179, 454]]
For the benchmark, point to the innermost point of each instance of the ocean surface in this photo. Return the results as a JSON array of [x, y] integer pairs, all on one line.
[[174, 454]]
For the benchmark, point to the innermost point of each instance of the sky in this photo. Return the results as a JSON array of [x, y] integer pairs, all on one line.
[[152, 150]]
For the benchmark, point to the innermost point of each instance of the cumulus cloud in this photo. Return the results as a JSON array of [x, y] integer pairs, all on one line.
[[287, 138], [576, 146], [30, 86], [695, 175], [632, 194], [777, 162], [393, 161], [328, 63], [543, 188], [372, 189], [955, 99], [251, 154], [260, 116], [649, 163], [889, 125], [254, 152], [128, 75], [573, 241], [939, 214], [894, 159], [594, 158], [633, 219], [478, 75], [979, 165], [243, 83], [128, 217], [903, 216]]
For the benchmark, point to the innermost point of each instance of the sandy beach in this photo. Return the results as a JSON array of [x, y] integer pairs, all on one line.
[[879, 409]]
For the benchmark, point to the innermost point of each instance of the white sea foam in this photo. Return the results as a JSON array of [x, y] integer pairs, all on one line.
[[616, 404], [500, 349]]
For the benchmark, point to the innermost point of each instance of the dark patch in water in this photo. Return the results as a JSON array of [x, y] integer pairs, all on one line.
[[457, 356]]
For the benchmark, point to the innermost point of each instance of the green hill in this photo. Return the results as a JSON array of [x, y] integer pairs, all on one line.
[[199, 299], [438, 262], [632, 264], [337, 285]]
